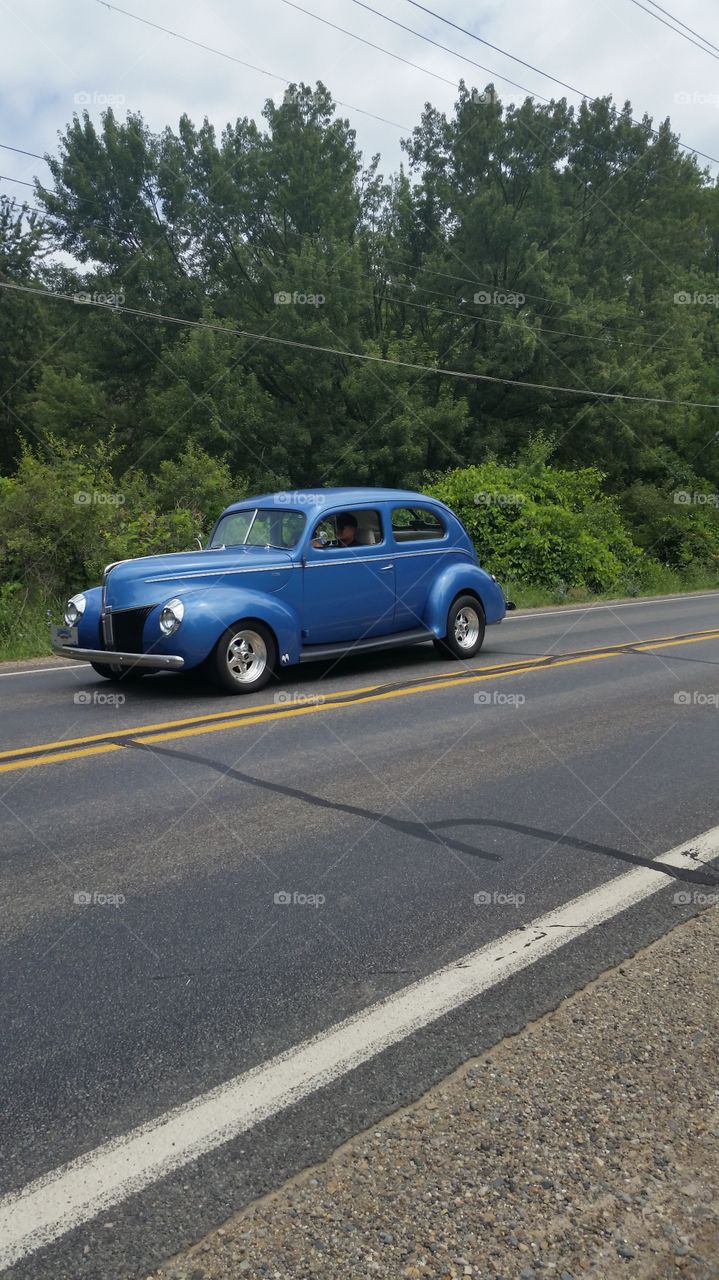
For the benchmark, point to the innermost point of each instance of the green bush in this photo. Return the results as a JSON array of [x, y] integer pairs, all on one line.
[[680, 526], [541, 525], [63, 517]]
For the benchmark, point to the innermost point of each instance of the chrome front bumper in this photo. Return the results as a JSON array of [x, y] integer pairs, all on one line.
[[156, 661]]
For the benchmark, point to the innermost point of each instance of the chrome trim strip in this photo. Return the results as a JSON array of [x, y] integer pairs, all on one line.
[[392, 555], [164, 661], [312, 564], [221, 573]]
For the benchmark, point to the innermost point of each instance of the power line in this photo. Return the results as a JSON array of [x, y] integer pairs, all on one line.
[[459, 374], [402, 284], [566, 333], [398, 57], [683, 24], [409, 284], [459, 55], [221, 53], [437, 45], [6, 147], [589, 97], [676, 30]]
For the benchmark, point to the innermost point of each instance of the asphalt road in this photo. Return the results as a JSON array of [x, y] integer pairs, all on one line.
[[384, 809]]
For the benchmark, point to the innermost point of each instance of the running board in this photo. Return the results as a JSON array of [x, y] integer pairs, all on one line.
[[313, 652]]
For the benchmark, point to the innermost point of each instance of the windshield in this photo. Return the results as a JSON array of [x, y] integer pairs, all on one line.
[[259, 527]]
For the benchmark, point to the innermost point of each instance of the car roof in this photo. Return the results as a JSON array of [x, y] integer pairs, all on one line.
[[347, 497]]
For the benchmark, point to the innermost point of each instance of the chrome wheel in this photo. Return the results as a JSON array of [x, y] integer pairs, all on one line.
[[466, 627], [246, 657]]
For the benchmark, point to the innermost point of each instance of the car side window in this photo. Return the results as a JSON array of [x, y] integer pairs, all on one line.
[[416, 524], [352, 528]]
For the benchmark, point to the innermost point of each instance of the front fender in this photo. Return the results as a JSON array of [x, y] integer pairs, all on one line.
[[88, 627], [208, 614], [452, 582]]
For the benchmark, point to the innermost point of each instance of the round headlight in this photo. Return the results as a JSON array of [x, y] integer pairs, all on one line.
[[171, 617], [74, 609]]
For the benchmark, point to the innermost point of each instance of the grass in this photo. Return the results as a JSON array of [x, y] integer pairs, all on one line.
[[24, 624], [25, 633], [662, 582]]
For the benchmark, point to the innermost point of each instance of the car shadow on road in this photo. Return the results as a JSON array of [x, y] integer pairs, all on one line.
[[431, 832]]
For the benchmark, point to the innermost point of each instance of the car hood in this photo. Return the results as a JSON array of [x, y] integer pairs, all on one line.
[[151, 579]]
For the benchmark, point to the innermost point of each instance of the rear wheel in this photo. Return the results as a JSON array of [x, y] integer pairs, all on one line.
[[465, 629], [245, 658]]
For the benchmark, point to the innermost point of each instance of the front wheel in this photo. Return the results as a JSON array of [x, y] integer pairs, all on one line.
[[465, 629], [117, 673], [245, 658]]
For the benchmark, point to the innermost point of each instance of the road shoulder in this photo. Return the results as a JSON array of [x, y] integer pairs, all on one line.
[[587, 1145]]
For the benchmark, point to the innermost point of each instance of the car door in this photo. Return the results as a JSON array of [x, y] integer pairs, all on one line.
[[420, 539], [348, 591]]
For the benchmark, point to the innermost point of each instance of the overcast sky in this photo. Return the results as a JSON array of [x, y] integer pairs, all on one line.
[[51, 52]]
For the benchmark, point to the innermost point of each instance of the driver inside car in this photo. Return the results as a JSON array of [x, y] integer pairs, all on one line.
[[346, 526]]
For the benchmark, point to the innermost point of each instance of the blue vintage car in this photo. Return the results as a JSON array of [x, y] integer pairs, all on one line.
[[286, 578]]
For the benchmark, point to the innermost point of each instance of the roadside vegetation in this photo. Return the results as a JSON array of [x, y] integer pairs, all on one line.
[[551, 534], [496, 254]]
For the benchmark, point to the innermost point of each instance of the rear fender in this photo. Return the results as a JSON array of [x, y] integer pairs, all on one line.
[[456, 580]]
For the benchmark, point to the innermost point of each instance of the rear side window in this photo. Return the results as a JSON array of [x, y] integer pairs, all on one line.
[[416, 524]]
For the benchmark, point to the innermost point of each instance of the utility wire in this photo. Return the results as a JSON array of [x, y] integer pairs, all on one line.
[[528, 65], [437, 45], [459, 374], [221, 53], [437, 293], [683, 24], [676, 30], [6, 147], [589, 97], [398, 57]]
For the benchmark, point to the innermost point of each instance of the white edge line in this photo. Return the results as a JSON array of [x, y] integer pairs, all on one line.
[[521, 616], [38, 671], [59, 1201], [541, 612]]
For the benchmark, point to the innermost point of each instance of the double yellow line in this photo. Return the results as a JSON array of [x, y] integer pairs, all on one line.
[[169, 730]]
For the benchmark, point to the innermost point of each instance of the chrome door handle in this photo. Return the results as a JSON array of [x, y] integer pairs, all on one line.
[[386, 568]]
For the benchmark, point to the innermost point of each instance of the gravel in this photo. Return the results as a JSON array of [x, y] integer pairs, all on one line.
[[585, 1147]]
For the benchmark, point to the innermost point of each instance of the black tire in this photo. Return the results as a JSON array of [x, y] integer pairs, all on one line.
[[245, 657], [465, 629], [117, 674]]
